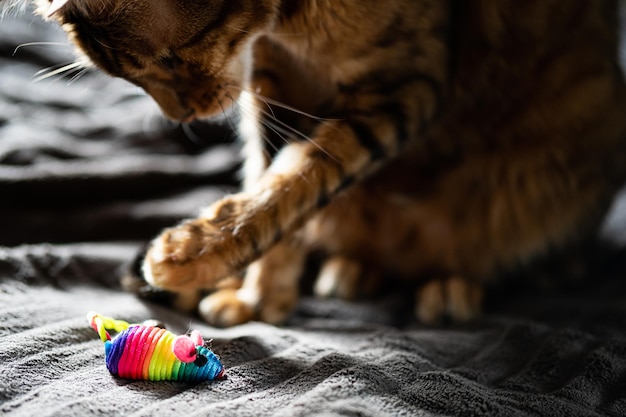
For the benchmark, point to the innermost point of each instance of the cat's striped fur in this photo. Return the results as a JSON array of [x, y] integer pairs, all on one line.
[[451, 139]]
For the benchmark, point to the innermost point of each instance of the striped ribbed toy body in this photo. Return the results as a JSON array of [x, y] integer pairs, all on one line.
[[155, 354]]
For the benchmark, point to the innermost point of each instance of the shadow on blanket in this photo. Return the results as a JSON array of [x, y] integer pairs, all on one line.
[[89, 170]]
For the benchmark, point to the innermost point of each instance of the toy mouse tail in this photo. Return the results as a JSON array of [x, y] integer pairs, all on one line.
[[101, 324]]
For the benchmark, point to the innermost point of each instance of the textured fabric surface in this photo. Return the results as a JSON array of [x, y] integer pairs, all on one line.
[[88, 171]]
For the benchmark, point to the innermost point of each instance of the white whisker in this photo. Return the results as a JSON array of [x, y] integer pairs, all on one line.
[[282, 133], [274, 147], [228, 119], [42, 74], [52, 68], [104, 44], [295, 131], [269, 107], [276, 103], [237, 29], [285, 125], [277, 130], [290, 108], [287, 129], [60, 44], [77, 76]]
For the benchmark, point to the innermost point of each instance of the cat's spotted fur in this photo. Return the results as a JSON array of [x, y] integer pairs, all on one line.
[[451, 139]]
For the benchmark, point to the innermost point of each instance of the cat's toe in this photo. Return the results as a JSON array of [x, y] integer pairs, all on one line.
[[186, 257], [454, 298], [225, 308], [134, 282]]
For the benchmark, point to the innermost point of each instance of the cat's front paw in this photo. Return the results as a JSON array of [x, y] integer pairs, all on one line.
[[187, 257]]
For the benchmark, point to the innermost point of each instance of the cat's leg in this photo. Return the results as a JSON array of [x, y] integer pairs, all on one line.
[[339, 277], [235, 231], [455, 297], [269, 292], [239, 229], [346, 278], [395, 232]]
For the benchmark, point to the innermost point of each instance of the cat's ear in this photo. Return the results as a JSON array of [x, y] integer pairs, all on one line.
[[55, 6]]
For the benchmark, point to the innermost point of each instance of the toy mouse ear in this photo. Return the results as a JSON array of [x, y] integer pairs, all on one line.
[[197, 338], [55, 6], [184, 349]]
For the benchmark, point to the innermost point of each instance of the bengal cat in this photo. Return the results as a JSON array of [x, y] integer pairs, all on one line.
[[444, 141]]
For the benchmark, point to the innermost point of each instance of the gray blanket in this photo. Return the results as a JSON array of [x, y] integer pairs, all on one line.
[[89, 171]]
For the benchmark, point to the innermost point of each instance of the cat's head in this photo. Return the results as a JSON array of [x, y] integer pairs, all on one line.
[[191, 56]]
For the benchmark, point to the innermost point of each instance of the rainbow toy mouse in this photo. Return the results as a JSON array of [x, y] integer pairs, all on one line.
[[155, 354]]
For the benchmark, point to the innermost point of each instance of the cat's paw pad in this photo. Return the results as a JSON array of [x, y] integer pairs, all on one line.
[[455, 298], [226, 308]]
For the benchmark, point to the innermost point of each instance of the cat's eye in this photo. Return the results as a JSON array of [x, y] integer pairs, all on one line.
[[170, 62]]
